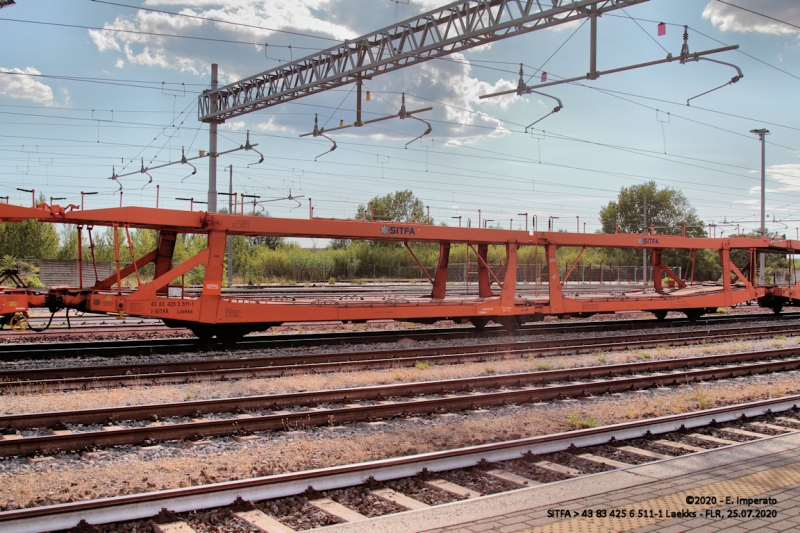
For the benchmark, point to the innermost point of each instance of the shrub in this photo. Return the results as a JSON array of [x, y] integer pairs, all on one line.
[[34, 282]]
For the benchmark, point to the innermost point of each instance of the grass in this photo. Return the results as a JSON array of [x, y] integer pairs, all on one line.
[[574, 421], [80, 481], [701, 397], [643, 356], [489, 370], [422, 365], [41, 399]]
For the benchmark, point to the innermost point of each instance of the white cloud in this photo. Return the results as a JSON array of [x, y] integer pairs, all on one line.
[[787, 174], [19, 84], [757, 190], [452, 91], [193, 56], [120, 63], [271, 126], [729, 18], [234, 125]]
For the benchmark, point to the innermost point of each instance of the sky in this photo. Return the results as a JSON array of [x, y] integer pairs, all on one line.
[[81, 101]]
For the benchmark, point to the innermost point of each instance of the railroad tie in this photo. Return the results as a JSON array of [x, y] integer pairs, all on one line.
[[744, 433], [680, 446], [604, 460], [644, 453], [400, 499], [557, 468], [173, 527], [509, 477], [787, 420], [773, 427], [263, 522], [338, 510], [713, 440], [453, 488]]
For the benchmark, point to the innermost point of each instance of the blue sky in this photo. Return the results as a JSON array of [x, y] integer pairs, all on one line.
[[77, 102]]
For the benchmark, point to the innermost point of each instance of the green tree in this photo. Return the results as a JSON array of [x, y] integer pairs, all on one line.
[[400, 206], [29, 239], [668, 211]]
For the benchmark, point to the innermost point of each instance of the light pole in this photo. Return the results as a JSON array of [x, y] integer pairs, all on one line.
[[212, 150], [762, 133], [551, 226], [486, 221], [459, 220]]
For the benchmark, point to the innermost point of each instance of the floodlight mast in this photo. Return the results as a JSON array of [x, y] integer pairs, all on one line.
[[452, 28]]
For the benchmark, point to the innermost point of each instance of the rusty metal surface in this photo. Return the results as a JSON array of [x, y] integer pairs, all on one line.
[[470, 400], [272, 366], [144, 505]]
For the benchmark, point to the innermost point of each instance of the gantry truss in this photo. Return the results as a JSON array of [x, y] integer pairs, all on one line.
[[452, 28]]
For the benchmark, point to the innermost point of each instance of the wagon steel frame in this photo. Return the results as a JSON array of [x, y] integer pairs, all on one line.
[[214, 313]]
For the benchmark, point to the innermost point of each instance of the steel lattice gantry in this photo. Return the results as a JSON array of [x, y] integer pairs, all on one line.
[[452, 28]]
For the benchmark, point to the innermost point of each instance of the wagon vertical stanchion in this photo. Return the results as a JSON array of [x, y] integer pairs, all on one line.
[[212, 313]]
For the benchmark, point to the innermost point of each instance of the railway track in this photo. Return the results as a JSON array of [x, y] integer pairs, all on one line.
[[15, 352], [96, 376], [478, 469], [148, 424]]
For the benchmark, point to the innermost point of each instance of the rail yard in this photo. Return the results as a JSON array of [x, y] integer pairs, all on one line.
[[500, 355], [368, 361]]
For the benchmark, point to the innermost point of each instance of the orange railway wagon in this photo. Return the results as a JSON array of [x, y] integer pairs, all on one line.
[[213, 313]]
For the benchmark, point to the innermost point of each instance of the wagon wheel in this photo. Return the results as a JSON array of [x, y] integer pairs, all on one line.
[[19, 322], [660, 314], [479, 322]]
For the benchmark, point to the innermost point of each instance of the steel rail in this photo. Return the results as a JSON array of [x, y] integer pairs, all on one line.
[[74, 378], [146, 505], [356, 413], [13, 352]]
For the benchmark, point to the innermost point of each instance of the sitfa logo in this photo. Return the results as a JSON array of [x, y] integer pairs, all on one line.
[[647, 240], [397, 230]]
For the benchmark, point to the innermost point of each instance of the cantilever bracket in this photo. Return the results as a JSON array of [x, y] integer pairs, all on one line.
[[115, 177], [143, 170], [403, 114], [319, 133], [556, 109], [185, 161], [686, 57], [290, 197], [248, 146], [524, 89]]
